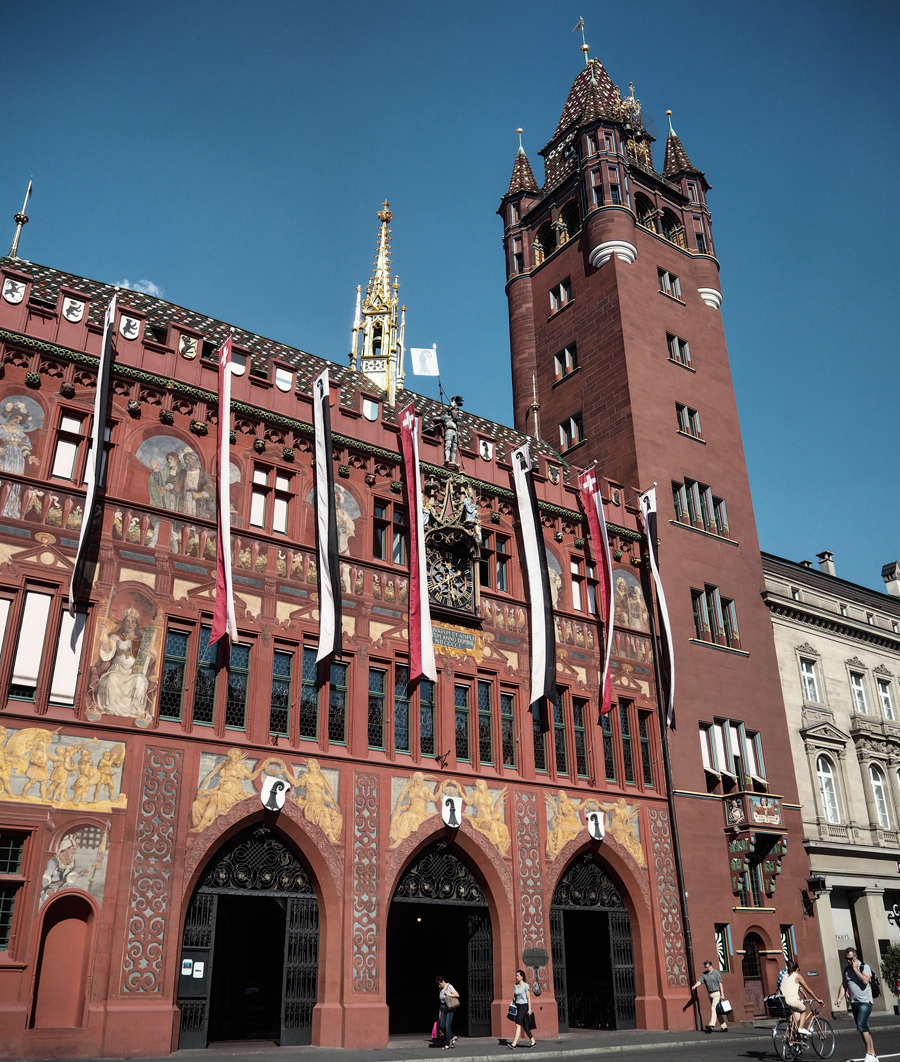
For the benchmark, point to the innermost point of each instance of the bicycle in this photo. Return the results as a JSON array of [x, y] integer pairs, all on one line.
[[789, 1045]]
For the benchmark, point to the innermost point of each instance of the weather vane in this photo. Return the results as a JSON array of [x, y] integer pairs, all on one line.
[[584, 45]]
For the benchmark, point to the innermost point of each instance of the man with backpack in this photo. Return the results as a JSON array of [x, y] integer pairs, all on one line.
[[858, 984]]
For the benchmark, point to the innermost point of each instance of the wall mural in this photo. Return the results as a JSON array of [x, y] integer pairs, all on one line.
[[19, 415], [628, 601], [565, 821], [346, 514], [226, 780], [39, 766], [555, 572], [413, 797], [126, 656], [78, 863]]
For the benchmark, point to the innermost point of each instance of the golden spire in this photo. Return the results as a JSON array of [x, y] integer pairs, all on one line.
[[21, 219]]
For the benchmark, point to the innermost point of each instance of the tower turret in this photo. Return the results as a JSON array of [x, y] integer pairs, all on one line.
[[379, 322]]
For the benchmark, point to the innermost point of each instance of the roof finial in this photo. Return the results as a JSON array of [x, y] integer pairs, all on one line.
[[671, 130], [584, 45], [21, 219], [520, 130]]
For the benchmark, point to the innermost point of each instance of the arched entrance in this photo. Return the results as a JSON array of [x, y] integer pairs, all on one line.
[[250, 950], [439, 923], [593, 962], [752, 971]]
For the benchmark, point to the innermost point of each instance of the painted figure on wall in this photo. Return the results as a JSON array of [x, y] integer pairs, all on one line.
[[623, 824], [78, 863], [488, 817], [19, 414], [411, 808], [346, 512], [318, 803], [554, 571], [563, 822], [213, 800], [628, 599], [177, 481], [415, 802], [39, 766], [123, 677]]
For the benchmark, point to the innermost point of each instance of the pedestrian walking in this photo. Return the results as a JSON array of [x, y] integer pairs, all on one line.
[[790, 989], [857, 984], [711, 979], [449, 998], [524, 1015]]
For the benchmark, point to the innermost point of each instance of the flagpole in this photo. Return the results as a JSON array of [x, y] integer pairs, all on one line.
[[662, 711]]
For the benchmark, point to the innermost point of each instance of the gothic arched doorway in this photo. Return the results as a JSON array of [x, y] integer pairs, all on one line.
[[250, 950], [752, 971], [593, 962], [439, 923]]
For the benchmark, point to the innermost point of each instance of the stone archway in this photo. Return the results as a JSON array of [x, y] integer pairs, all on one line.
[[593, 958], [250, 948]]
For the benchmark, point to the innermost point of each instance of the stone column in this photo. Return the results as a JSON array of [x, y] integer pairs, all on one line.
[[833, 969], [871, 922]]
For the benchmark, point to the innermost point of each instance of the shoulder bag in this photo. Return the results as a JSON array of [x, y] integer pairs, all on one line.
[[451, 1002]]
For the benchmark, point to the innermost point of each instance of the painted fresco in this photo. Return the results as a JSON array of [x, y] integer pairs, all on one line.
[[566, 820], [346, 509], [555, 573], [78, 863], [226, 780], [19, 415], [628, 601], [126, 657], [39, 766], [412, 799]]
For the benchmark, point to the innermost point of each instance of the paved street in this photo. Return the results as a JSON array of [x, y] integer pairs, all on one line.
[[739, 1045]]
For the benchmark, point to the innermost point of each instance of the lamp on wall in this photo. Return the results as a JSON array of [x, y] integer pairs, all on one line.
[[816, 886]]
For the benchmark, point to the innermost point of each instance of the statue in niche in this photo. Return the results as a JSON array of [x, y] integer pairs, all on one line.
[[447, 423]]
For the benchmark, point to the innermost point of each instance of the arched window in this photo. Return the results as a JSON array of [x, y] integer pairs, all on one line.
[[672, 228], [879, 794], [828, 789], [376, 341], [571, 220], [546, 241], [645, 213]]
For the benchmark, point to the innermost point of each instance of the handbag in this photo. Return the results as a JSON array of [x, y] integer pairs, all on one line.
[[723, 1007], [451, 1002], [512, 1012], [434, 1031]]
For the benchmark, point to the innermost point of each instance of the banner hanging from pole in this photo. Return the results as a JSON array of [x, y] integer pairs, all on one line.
[[647, 502], [330, 629], [224, 621], [421, 642], [593, 506]]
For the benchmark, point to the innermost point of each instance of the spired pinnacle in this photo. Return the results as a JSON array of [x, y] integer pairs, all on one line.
[[385, 214], [520, 131], [671, 130], [522, 179]]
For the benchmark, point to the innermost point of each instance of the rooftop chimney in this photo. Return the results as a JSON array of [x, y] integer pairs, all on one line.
[[891, 575], [826, 562], [805, 564]]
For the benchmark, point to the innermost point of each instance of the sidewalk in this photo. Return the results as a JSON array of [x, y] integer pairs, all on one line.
[[579, 1043]]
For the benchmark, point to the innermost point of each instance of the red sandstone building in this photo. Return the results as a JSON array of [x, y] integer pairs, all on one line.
[[614, 303], [148, 899]]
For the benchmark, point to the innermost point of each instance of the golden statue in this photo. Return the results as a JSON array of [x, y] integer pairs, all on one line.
[[488, 818], [212, 801], [408, 817], [319, 804], [622, 827], [567, 823]]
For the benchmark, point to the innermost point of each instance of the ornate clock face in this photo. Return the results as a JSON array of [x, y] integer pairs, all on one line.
[[450, 580]]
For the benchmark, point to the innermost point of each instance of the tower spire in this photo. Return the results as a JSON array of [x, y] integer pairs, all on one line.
[[377, 330], [522, 179], [21, 219]]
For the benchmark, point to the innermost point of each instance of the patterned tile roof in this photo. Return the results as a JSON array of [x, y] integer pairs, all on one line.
[[522, 179], [677, 161], [160, 313], [592, 97]]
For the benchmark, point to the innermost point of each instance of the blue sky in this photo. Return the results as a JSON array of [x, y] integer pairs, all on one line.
[[235, 155]]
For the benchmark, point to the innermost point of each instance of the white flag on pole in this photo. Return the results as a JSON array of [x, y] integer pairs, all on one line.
[[424, 360]]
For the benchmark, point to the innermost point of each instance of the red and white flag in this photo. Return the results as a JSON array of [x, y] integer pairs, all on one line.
[[421, 642], [593, 507], [224, 621]]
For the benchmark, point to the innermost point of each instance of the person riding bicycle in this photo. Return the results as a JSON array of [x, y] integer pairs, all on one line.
[[790, 989]]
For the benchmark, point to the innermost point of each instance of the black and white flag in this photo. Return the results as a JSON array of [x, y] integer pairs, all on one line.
[[330, 632], [543, 641], [647, 502], [96, 465]]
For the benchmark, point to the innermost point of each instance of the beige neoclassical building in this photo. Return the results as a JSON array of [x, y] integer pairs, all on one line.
[[838, 648]]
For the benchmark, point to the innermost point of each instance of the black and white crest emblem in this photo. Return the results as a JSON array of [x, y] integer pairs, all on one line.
[[129, 327], [486, 450], [13, 290], [553, 474], [187, 347], [73, 310], [452, 809], [595, 824], [273, 793]]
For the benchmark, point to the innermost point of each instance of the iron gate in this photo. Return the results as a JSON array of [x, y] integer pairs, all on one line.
[[256, 863], [438, 875], [585, 886]]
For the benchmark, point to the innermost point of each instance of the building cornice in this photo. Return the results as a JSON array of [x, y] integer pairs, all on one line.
[[819, 619]]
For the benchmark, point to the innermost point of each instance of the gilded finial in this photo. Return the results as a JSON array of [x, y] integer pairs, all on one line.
[[520, 131], [584, 45], [21, 219], [385, 214], [671, 130]]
